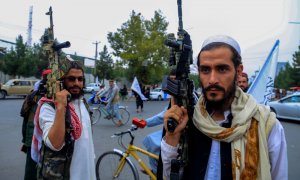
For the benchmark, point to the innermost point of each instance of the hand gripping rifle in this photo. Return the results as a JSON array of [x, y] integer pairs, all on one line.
[[52, 48], [182, 87]]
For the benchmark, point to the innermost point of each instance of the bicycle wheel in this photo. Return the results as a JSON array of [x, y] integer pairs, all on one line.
[[107, 167], [96, 115], [124, 116]]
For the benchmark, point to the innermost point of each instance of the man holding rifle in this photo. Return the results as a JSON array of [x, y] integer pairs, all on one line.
[[230, 136], [51, 130]]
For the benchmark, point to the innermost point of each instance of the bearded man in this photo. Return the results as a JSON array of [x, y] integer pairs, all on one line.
[[64, 151], [230, 136]]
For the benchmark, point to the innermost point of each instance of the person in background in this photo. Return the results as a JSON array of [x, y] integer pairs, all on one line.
[[147, 92], [124, 93], [138, 100], [242, 81], [112, 100], [44, 75], [230, 136], [97, 96], [27, 112], [152, 140]]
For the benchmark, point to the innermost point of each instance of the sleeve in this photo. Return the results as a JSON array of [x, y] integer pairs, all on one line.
[[278, 152], [46, 120], [156, 119], [167, 154], [112, 96]]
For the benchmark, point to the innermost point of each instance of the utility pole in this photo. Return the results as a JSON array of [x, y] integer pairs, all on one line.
[[96, 54]]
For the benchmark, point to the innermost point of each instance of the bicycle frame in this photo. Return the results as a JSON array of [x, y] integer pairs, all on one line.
[[131, 150], [102, 108]]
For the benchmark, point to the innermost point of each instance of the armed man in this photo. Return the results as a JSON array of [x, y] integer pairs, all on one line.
[[230, 136], [62, 143]]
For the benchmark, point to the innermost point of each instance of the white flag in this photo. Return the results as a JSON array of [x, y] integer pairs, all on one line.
[[262, 86], [136, 87]]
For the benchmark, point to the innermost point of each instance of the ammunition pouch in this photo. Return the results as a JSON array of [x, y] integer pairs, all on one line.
[[55, 165]]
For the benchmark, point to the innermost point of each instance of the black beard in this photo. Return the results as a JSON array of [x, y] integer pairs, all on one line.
[[220, 104], [75, 96]]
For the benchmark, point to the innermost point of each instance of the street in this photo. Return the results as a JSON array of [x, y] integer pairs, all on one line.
[[13, 160]]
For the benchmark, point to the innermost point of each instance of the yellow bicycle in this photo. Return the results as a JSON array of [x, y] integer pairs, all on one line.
[[116, 164]]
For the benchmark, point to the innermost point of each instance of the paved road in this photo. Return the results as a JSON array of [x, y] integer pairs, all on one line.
[[12, 161]]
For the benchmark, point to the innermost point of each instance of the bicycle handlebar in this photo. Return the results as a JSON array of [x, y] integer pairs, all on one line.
[[133, 128]]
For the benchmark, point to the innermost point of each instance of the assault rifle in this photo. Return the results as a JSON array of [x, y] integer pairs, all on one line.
[[52, 48], [182, 87]]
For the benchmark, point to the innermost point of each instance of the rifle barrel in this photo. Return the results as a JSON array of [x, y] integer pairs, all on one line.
[[179, 4]]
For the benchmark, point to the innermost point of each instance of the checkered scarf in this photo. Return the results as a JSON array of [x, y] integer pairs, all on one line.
[[38, 133]]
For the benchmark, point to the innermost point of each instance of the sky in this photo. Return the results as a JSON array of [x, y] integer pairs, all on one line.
[[255, 24]]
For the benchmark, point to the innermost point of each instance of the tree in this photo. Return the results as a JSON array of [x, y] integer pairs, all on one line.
[[139, 44], [23, 60], [290, 76], [104, 67], [295, 73], [14, 58]]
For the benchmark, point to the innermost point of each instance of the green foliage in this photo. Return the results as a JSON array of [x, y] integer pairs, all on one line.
[[104, 67], [290, 76], [15, 59], [24, 61], [139, 44]]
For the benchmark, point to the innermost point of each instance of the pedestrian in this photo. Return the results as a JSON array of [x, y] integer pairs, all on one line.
[[230, 136], [112, 101], [62, 142], [27, 112], [124, 92], [139, 101], [242, 81]]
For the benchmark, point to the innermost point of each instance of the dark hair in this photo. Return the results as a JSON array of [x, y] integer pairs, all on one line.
[[245, 75], [76, 65], [236, 58]]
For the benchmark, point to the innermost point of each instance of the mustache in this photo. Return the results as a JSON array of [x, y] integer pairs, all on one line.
[[74, 87], [214, 86]]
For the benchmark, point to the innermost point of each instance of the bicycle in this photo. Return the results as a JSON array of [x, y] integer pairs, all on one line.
[[116, 164], [101, 112]]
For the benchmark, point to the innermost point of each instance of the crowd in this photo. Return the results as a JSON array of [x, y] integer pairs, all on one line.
[[230, 135]]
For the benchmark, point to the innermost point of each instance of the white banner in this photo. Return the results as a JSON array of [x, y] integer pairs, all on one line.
[[262, 86], [136, 87]]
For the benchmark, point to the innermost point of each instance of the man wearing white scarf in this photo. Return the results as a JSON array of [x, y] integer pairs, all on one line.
[[230, 135]]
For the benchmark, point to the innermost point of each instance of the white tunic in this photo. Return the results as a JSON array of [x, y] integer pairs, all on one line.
[[83, 160], [277, 153]]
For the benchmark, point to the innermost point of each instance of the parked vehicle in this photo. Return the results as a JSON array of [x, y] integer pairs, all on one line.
[[92, 87], [158, 94], [17, 87], [287, 107]]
